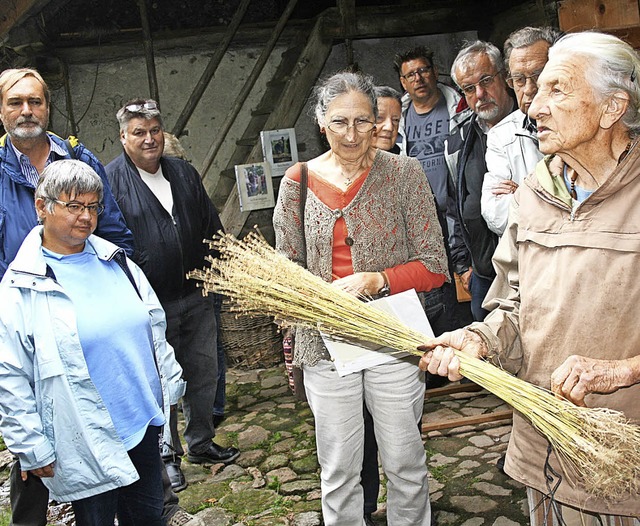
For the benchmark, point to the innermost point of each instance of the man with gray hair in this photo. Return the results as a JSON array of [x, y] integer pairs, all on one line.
[[478, 71], [512, 144], [169, 212]]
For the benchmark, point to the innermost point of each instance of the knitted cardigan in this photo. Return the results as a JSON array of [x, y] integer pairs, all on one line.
[[391, 220]]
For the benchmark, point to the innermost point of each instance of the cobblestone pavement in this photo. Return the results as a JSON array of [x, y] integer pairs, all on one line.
[[275, 481]]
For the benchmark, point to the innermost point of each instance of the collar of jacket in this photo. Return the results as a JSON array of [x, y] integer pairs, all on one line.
[[29, 259]]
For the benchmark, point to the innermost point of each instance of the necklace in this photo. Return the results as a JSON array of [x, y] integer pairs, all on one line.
[[347, 180]]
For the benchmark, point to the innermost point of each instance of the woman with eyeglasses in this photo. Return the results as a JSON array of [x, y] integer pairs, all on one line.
[[370, 226], [85, 371]]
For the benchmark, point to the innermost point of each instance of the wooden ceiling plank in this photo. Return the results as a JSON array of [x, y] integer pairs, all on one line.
[[15, 12]]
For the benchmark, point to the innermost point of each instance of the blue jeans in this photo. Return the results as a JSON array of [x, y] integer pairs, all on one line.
[[478, 288], [139, 503], [192, 332]]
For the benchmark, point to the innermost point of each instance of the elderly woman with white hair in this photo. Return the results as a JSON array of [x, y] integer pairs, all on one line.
[[86, 374], [566, 293], [369, 225]]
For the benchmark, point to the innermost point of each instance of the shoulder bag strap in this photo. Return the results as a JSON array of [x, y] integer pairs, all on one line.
[[304, 186], [72, 152]]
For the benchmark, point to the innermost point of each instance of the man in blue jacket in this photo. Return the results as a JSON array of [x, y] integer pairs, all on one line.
[[24, 152]]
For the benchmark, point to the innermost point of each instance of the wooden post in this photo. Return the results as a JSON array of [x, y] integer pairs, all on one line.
[[148, 51], [210, 70], [68, 99], [246, 89]]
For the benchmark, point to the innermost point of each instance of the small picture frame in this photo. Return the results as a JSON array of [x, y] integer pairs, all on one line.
[[255, 187], [279, 149]]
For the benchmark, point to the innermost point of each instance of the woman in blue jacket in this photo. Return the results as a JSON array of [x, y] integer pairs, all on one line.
[[85, 370]]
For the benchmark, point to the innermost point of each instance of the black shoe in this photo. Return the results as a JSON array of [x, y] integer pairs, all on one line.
[[368, 520], [214, 454], [176, 476], [500, 464]]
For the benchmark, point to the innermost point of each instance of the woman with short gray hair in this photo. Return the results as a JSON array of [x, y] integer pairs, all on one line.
[[369, 225], [86, 374]]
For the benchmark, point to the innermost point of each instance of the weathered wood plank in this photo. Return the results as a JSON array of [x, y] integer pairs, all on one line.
[[468, 421], [578, 15]]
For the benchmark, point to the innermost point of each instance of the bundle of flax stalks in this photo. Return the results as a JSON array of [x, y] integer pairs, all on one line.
[[597, 446]]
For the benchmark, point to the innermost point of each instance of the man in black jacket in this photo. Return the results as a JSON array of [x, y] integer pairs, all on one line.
[[169, 212], [479, 72]]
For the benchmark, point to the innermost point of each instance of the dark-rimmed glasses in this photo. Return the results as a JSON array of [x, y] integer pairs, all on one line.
[[76, 208], [413, 75], [342, 127], [521, 80], [484, 83], [149, 105]]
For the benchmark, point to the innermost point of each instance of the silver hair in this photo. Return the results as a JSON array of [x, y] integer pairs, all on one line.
[[339, 84], [612, 66], [387, 92], [70, 177], [475, 48], [124, 115], [527, 36]]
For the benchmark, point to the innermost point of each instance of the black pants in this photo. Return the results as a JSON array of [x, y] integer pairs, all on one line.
[[29, 500]]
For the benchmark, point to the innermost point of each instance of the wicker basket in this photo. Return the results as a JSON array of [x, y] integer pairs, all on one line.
[[249, 342]]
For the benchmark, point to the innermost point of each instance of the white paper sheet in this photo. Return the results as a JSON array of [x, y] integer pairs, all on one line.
[[350, 358]]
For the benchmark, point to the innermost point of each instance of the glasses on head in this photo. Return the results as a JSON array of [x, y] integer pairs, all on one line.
[[341, 127], [484, 83], [149, 105], [76, 208], [520, 81], [413, 75]]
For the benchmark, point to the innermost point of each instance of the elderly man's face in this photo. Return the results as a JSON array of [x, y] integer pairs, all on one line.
[[24, 112], [484, 88], [566, 108], [525, 65]]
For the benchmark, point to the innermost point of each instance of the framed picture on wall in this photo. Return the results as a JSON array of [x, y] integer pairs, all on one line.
[[279, 149], [255, 187]]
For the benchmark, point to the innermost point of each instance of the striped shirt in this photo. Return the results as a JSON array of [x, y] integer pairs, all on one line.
[[29, 171]]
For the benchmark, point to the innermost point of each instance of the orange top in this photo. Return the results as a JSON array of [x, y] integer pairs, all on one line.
[[411, 275]]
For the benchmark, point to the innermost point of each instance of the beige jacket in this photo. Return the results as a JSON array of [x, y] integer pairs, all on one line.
[[567, 283], [392, 220]]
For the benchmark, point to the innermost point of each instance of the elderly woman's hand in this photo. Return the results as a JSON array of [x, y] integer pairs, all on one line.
[[579, 376], [505, 187], [361, 283], [440, 358]]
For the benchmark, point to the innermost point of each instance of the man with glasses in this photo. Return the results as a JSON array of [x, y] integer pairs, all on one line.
[[512, 144], [478, 71], [427, 107], [169, 212]]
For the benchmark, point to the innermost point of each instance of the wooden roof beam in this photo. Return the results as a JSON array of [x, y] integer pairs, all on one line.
[[15, 12]]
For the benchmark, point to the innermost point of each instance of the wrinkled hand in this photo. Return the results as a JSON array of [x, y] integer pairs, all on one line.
[[504, 187], [361, 283], [579, 376], [44, 472], [440, 357], [465, 278]]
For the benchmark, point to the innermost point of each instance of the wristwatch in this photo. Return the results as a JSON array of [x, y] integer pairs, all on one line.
[[385, 290]]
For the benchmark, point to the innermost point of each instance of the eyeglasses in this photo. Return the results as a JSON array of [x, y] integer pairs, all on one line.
[[361, 126], [521, 80], [76, 208], [413, 75], [484, 83], [149, 105]]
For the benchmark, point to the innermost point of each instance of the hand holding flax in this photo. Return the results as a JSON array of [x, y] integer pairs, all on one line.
[[440, 356], [578, 376], [598, 445], [361, 283]]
